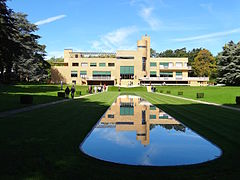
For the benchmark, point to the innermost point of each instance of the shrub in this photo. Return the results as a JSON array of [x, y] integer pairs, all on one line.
[[26, 99], [180, 93], [238, 100], [168, 92], [161, 91], [78, 93], [200, 95], [61, 94]]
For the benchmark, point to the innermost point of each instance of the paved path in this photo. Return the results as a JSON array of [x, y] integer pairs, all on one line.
[[202, 102], [30, 108]]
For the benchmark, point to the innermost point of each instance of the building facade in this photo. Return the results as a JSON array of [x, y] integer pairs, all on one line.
[[132, 113], [124, 68]]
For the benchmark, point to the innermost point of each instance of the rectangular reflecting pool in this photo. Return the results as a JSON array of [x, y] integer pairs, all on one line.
[[135, 132]]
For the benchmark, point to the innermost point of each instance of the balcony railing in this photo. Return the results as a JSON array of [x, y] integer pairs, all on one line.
[[174, 67], [174, 78]]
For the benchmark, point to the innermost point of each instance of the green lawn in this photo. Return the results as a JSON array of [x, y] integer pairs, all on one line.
[[10, 94], [44, 143], [221, 95], [125, 89]]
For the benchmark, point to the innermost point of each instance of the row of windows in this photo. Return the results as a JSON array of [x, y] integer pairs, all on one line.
[[168, 64], [83, 74], [152, 64], [164, 74], [153, 116], [84, 64]]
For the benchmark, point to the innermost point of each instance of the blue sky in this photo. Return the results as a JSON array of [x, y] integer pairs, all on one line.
[[107, 25]]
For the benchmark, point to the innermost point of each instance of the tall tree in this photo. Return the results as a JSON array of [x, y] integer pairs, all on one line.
[[181, 52], [167, 53], [204, 64], [174, 53], [10, 47], [20, 53], [229, 64], [192, 54], [152, 53], [30, 65]]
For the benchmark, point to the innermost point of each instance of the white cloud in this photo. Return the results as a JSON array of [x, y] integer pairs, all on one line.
[[49, 20], [118, 138], [208, 7], [208, 36], [146, 14], [117, 39]]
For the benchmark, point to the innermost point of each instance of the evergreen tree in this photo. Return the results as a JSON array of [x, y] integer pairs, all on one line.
[[229, 64], [31, 65], [20, 53], [10, 47]]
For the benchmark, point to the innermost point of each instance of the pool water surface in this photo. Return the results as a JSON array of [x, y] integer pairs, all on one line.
[[135, 132]]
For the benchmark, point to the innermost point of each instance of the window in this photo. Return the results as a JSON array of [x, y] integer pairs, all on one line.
[[127, 72], [110, 115], [125, 123], [111, 64], [170, 64], [144, 117], [75, 64], [74, 73], [163, 116], [84, 64], [153, 74], [152, 116], [128, 111], [76, 55], [185, 64], [93, 64], [125, 57], [166, 74], [143, 64], [74, 82], [179, 64], [152, 107], [101, 74], [178, 73], [102, 64], [153, 64], [83, 74], [164, 64], [142, 46]]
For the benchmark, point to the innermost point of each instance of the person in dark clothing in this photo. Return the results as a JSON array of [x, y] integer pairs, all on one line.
[[72, 91], [67, 91]]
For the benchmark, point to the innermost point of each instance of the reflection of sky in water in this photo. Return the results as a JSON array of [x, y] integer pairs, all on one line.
[[166, 147]]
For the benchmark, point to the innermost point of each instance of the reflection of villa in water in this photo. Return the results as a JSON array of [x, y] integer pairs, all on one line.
[[131, 113]]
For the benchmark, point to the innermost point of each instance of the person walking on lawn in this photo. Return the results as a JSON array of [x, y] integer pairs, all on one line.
[[67, 91], [72, 91]]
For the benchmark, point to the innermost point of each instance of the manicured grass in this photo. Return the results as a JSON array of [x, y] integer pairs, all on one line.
[[10, 94], [129, 89], [44, 143], [221, 95]]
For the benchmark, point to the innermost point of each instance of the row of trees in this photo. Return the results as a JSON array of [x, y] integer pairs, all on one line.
[[21, 56], [224, 68]]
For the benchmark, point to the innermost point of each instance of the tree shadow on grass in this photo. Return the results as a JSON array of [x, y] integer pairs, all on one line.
[[45, 143], [28, 88], [12, 101]]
